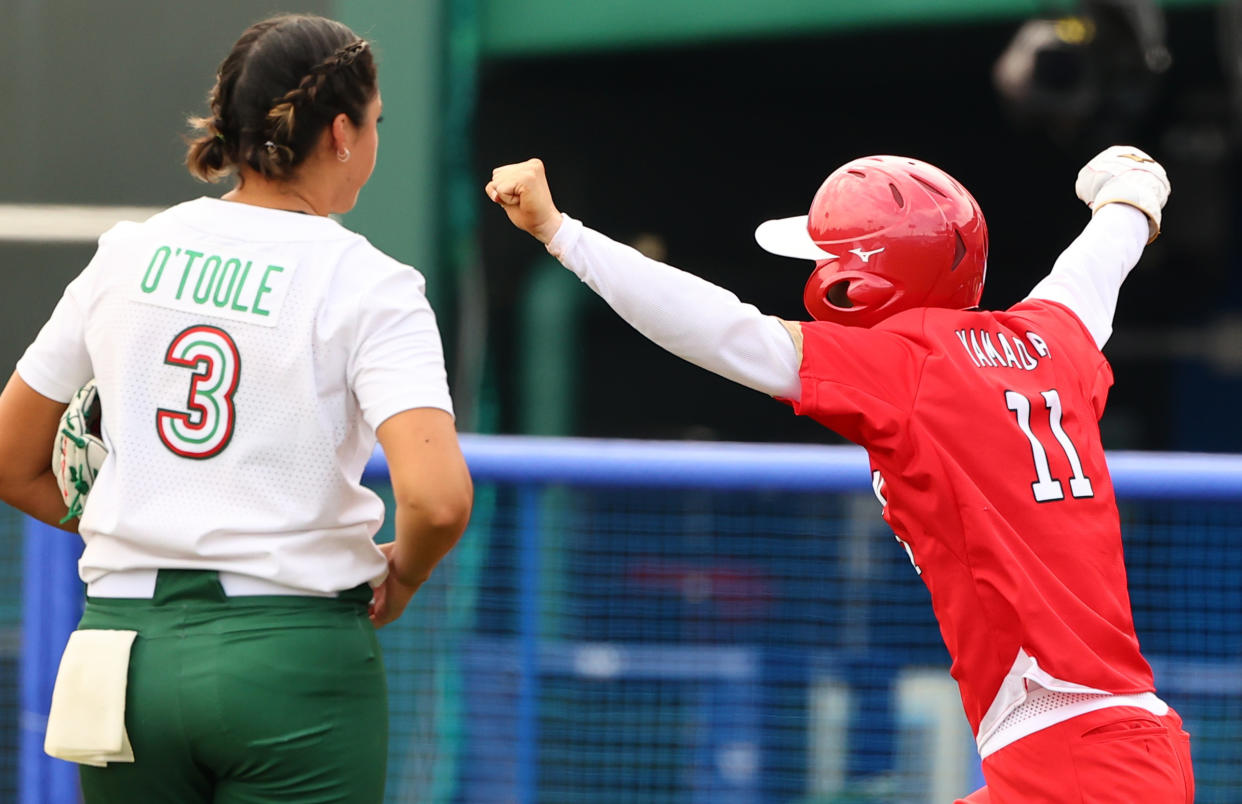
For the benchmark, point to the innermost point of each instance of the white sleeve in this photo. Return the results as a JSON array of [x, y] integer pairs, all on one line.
[[1087, 276], [699, 322], [398, 360], [56, 364]]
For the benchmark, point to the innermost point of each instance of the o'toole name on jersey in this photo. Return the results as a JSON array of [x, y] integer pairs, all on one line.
[[242, 288], [981, 348]]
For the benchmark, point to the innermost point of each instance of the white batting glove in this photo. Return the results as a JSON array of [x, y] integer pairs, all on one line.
[[1123, 174]]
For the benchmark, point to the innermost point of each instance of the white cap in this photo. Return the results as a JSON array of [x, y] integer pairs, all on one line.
[[788, 237]]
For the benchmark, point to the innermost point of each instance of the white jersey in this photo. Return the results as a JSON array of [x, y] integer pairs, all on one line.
[[244, 357]]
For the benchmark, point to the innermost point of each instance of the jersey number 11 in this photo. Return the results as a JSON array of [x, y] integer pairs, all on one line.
[[1047, 488]]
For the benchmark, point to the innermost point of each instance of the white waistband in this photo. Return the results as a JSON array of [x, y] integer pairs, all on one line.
[[1043, 708], [141, 583]]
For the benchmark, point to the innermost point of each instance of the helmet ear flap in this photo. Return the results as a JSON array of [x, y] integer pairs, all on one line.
[[838, 294], [824, 291], [849, 297]]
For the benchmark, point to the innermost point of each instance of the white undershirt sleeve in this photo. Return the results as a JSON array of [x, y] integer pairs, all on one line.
[[1087, 276], [699, 322]]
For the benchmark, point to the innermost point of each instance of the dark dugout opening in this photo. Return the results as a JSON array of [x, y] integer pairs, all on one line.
[[690, 148]]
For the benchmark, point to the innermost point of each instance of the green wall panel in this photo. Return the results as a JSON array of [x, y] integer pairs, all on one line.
[[399, 210], [521, 27]]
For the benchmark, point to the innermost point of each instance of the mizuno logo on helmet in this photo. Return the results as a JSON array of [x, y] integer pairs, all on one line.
[[865, 256], [1137, 158]]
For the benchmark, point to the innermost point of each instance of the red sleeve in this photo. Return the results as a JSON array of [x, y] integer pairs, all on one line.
[[1072, 340], [859, 382]]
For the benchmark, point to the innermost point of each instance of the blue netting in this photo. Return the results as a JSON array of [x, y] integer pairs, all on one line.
[[672, 623], [693, 638]]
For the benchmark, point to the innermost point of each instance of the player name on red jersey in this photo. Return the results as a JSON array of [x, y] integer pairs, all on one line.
[[981, 347]]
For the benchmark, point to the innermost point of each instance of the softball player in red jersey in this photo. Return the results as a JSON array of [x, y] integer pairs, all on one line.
[[249, 351], [1018, 540]]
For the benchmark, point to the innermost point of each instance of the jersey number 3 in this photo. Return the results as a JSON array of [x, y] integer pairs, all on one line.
[[205, 428], [1047, 488]]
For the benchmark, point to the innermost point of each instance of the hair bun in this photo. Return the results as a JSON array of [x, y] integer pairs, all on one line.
[[285, 79]]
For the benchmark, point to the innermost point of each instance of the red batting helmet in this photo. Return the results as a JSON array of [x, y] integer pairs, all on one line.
[[887, 234]]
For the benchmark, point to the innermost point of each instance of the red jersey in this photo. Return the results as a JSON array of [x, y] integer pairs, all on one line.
[[983, 428]]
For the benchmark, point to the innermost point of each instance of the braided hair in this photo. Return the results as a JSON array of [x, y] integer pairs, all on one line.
[[284, 81]]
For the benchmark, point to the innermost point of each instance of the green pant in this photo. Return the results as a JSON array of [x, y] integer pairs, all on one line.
[[246, 699]]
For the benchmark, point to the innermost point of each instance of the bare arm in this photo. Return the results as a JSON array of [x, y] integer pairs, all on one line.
[[434, 494], [28, 425]]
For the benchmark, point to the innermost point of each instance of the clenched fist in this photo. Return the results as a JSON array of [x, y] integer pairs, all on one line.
[[1123, 174], [522, 191]]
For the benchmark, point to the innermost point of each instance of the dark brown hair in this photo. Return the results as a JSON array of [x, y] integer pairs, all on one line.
[[285, 80]]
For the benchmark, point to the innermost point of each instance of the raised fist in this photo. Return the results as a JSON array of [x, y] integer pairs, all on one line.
[[1123, 174], [522, 191]]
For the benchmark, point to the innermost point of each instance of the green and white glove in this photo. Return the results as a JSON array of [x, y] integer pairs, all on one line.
[[78, 449]]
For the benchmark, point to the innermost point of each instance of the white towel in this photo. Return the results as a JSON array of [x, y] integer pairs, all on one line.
[[87, 721]]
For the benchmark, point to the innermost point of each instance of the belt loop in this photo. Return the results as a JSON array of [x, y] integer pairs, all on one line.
[[174, 585]]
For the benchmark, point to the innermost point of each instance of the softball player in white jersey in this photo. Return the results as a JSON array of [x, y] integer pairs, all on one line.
[[248, 352]]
